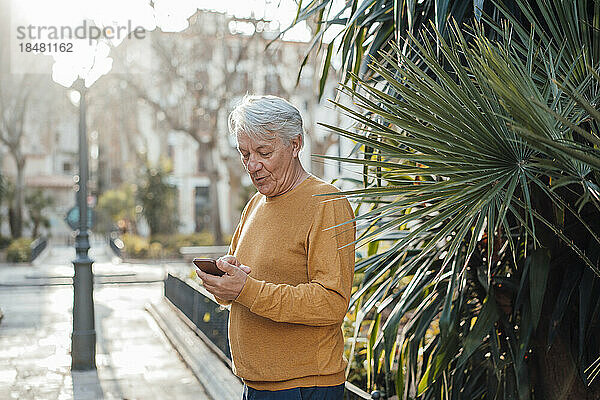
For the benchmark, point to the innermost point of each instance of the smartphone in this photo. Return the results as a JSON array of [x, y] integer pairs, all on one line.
[[208, 265]]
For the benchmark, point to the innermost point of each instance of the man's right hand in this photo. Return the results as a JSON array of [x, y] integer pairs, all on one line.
[[229, 285], [234, 261]]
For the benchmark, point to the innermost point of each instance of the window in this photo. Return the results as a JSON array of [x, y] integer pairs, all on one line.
[[202, 156], [202, 208], [240, 81], [272, 83]]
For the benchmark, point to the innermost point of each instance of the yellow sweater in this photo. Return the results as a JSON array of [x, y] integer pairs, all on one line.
[[285, 325]]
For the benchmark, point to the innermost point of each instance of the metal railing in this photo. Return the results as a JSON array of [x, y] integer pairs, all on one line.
[[37, 246], [116, 244], [211, 319], [207, 315]]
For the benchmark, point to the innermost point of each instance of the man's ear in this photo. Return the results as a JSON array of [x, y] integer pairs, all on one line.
[[296, 145]]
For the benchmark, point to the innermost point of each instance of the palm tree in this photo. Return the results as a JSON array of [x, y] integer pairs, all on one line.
[[365, 28], [482, 173]]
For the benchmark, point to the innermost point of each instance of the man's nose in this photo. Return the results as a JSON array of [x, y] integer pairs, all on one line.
[[253, 165]]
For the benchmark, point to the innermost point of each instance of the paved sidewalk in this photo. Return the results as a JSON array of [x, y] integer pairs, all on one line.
[[215, 374], [54, 268], [134, 359]]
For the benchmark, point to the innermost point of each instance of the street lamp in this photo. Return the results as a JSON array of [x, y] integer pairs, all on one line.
[[83, 339]]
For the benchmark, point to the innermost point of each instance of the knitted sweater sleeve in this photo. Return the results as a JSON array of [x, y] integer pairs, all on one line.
[[324, 299]]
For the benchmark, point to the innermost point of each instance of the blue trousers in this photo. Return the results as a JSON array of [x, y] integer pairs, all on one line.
[[302, 393]]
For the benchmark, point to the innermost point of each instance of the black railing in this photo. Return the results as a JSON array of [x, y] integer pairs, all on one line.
[[37, 246], [116, 244], [211, 319], [208, 316]]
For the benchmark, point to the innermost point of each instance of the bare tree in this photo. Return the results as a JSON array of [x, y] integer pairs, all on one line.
[[198, 75], [15, 102], [200, 72]]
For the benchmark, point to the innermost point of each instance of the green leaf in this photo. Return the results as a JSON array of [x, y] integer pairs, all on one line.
[[400, 377], [593, 370], [586, 297], [445, 320], [539, 267], [439, 363], [484, 325], [371, 361], [570, 281], [325, 73], [543, 143], [441, 10]]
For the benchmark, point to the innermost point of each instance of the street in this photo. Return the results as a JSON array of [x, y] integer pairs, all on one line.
[[133, 357]]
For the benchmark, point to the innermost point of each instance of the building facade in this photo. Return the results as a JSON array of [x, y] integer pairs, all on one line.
[[199, 76], [174, 107]]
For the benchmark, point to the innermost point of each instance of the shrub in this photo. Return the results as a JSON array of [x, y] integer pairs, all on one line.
[[158, 199], [195, 239], [161, 246], [156, 250], [19, 250], [172, 243], [114, 206], [135, 246], [4, 241]]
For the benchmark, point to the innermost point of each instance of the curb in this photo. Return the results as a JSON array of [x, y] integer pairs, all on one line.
[[69, 282], [211, 371]]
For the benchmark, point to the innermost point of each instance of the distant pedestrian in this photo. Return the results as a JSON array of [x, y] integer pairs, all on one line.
[[290, 264]]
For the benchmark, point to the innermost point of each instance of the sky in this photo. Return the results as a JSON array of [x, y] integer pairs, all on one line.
[[90, 59]]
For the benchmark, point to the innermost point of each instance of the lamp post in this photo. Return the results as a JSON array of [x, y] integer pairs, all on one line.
[[83, 340]]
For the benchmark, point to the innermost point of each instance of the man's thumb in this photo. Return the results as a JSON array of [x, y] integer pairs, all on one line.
[[225, 266], [245, 268]]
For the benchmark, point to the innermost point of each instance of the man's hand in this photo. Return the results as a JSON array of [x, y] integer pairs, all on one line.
[[233, 261], [228, 286]]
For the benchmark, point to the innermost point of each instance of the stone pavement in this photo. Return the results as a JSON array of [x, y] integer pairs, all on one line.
[[134, 359]]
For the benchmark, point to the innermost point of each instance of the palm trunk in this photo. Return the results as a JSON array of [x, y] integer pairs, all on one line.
[[554, 368]]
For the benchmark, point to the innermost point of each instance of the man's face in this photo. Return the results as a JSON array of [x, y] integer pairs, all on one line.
[[270, 163]]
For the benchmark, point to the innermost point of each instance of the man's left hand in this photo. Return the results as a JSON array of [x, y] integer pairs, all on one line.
[[228, 286]]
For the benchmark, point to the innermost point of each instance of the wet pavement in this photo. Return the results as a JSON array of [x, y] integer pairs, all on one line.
[[134, 358]]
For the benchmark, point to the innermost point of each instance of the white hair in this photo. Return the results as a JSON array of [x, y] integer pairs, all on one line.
[[266, 117]]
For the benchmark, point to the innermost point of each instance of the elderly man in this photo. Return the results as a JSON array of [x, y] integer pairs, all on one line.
[[289, 269]]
